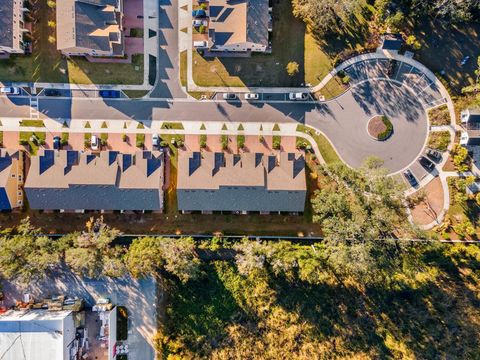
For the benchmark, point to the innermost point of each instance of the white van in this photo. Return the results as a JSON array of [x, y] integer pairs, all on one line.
[[200, 44]]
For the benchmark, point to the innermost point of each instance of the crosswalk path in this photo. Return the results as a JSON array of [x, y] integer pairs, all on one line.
[[34, 114]]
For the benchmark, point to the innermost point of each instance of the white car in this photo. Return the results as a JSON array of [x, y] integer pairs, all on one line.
[[10, 90], [94, 142], [229, 96], [252, 96], [199, 22], [155, 140], [298, 96]]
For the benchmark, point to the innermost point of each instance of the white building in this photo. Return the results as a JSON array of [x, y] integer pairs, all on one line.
[[37, 335]]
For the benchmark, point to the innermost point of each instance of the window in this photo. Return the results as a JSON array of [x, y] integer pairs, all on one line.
[[13, 175], [20, 202], [20, 193]]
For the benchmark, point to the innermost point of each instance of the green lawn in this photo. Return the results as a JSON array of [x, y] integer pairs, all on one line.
[[81, 71], [332, 89], [26, 138], [172, 125], [32, 123], [326, 149]]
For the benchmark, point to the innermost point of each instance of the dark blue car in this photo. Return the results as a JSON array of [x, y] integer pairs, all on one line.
[[110, 94], [199, 14]]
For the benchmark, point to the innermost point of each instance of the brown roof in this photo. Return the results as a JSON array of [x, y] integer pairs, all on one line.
[[285, 171]]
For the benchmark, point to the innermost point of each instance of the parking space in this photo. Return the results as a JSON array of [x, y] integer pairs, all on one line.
[[426, 90]]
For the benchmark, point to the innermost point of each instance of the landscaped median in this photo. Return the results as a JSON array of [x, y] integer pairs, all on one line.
[[380, 127], [324, 146]]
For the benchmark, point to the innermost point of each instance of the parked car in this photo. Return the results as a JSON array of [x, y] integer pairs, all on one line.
[[251, 96], [156, 140], [112, 94], [229, 96], [298, 96], [94, 142], [10, 90], [410, 178], [434, 154], [427, 164], [200, 44], [199, 14], [57, 142], [52, 92], [199, 22]]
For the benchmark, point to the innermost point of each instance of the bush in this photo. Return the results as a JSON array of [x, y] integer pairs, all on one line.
[[439, 140], [277, 142], [224, 142], [261, 139], [346, 80], [124, 137], [203, 141], [388, 131], [241, 141]]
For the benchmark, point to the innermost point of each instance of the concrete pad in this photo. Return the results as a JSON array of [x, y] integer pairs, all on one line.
[[10, 139], [192, 142], [49, 139], [116, 143], [76, 141]]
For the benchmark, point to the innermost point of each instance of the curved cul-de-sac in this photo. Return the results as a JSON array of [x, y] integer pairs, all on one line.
[[402, 93]]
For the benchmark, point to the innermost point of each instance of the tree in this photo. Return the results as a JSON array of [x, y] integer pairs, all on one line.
[[363, 204], [51, 4], [149, 255], [326, 17], [292, 68], [91, 254], [25, 254], [460, 158], [396, 22]]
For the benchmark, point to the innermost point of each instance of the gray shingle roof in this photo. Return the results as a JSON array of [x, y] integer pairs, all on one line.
[[6, 23], [246, 182], [71, 180], [89, 24]]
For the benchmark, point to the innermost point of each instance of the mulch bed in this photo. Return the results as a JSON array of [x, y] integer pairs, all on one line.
[[380, 127], [376, 126]]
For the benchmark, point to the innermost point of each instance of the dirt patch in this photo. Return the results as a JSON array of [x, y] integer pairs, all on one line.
[[432, 205]]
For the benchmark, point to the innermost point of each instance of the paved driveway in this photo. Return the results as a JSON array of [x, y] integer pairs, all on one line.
[[345, 119], [139, 297]]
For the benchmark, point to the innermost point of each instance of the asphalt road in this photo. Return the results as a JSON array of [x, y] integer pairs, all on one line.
[[344, 120]]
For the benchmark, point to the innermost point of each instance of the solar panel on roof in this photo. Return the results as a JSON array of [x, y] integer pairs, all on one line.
[[46, 160]]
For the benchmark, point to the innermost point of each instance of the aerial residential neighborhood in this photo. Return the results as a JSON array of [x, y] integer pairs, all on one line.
[[239, 179]]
